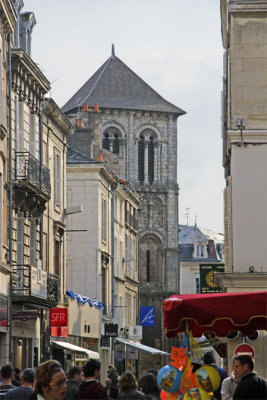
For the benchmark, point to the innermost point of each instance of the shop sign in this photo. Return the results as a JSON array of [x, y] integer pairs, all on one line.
[[111, 330], [206, 273], [38, 283], [58, 316], [24, 316], [135, 332], [147, 315]]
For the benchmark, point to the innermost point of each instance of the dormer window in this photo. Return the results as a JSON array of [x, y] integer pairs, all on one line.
[[200, 250]]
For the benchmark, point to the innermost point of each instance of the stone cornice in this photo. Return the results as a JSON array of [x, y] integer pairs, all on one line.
[[28, 81], [8, 16], [247, 6], [51, 109], [239, 280]]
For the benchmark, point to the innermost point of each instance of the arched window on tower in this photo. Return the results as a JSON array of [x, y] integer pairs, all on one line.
[[106, 141], [148, 265], [116, 144], [151, 160], [111, 140], [141, 159]]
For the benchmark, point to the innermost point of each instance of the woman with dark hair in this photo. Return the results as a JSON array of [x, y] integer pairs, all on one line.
[[49, 381], [150, 387], [128, 387]]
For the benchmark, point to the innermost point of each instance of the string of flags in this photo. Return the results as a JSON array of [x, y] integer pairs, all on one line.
[[85, 299]]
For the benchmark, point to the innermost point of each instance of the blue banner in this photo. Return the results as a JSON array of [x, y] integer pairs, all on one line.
[[147, 316]]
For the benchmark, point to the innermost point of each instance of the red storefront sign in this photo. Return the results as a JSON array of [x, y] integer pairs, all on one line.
[[58, 317]]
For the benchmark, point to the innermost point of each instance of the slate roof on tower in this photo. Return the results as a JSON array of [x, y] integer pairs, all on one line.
[[116, 86]]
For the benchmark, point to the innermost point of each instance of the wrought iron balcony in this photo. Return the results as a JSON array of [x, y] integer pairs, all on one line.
[[35, 286], [29, 169]]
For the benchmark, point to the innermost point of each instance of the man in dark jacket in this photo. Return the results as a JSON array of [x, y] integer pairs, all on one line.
[[90, 388], [75, 379], [251, 386]]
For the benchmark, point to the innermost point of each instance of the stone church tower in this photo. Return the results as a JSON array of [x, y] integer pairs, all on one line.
[[136, 131]]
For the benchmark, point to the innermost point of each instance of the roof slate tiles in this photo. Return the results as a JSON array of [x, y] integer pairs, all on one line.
[[116, 86]]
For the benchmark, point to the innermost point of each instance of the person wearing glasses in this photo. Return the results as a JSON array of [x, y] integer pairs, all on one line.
[[49, 381]]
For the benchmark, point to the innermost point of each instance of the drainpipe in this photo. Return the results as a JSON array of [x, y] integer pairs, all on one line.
[[10, 222], [113, 187]]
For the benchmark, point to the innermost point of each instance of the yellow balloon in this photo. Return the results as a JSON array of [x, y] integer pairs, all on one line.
[[196, 394], [208, 378]]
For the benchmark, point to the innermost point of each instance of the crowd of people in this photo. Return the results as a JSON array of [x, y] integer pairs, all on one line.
[[49, 382]]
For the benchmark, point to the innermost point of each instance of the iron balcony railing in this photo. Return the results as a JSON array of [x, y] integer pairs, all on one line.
[[35, 283], [28, 168]]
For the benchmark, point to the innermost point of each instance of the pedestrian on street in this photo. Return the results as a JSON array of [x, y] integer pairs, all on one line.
[[7, 375], [111, 390], [210, 360], [49, 381], [251, 385], [25, 390], [149, 386], [75, 379], [229, 385], [90, 388], [128, 387]]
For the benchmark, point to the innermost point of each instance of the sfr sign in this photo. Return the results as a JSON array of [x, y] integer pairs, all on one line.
[[58, 317]]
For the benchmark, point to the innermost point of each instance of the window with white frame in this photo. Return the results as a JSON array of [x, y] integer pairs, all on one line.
[[104, 219], [120, 261], [20, 239], [33, 242], [57, 179], [115, 257], [126, 309], [32, 131], [200, 250]]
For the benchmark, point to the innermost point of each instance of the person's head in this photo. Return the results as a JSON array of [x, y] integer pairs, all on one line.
[[149, 384], [27, 377], [16, 372], [50, 380], [153, 371], [92, 369], [128, 382], [243, 364], [108, 383], [209, 358], [7, 373], [76, 374]]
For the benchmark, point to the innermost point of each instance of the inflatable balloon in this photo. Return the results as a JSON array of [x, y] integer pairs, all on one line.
[[196, 394], [208, 378], [169, 379]]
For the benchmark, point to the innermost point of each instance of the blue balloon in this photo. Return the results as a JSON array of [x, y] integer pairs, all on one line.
[[169, 379]]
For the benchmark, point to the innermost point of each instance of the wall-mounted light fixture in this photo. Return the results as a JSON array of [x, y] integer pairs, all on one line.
[[241, 124]]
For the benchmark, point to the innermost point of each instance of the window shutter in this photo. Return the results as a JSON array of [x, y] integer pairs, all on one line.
[[57, 173], [21, 126], [20, 239], [104, 220], [33, 242], [32, 122]]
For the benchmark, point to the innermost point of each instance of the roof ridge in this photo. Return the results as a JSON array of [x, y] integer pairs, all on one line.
[[100, 76]]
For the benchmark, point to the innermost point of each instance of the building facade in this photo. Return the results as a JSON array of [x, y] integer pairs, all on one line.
[[244, 34], [138, 139], [32, 187], [102, 251], [8, 20], [198, 247]]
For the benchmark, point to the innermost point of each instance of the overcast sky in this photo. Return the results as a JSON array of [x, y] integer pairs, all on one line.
[[173, 45]]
